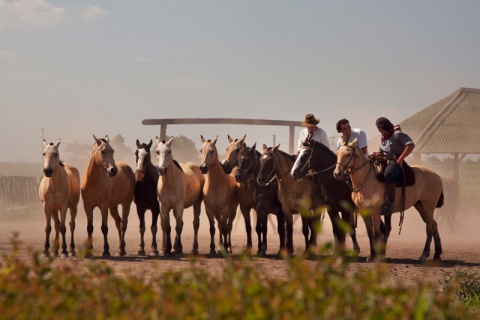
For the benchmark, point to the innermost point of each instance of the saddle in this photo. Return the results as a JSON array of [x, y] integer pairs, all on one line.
[[380, 163]]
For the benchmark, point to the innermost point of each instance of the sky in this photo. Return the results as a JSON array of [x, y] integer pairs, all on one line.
[[74, 69]]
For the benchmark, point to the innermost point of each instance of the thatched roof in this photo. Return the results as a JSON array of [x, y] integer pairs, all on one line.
[[450, 125]]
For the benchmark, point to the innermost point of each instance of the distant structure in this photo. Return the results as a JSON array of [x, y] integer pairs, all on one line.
[[259, 122], [448, 126]]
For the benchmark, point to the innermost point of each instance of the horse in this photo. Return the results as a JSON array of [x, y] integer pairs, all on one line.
[[106, 184], [295, 196], [220, 198], [338, 195], [179, 187], [146, 180], [264, 199], [59, 191], [368, 194]]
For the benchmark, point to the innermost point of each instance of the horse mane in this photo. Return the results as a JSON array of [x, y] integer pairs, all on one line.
[[285, 154], [326, 149], [177, 164], [61, 163]]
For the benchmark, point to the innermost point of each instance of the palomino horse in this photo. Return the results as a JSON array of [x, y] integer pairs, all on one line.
[[368, 194], [179, 187], [264, 199], [59, 191], [315, 156], [295, 196], [107, 184], [220, 197], [146, 180]]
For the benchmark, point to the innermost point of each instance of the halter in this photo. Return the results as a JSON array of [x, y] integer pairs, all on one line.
[[351, 169]]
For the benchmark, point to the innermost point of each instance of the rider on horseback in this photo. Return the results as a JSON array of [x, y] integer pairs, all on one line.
[[396, 146]]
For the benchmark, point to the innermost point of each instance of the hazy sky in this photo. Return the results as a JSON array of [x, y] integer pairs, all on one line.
[[77, 68]]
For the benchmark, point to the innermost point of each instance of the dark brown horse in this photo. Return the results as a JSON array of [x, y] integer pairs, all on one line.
[[264, 199], [318, 161], [295, 196], [146, 180]]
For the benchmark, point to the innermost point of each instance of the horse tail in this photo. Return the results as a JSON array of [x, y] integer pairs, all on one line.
[[440, 201]]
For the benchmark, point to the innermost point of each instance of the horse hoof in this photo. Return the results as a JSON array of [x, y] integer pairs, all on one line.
[[213, 253], [261, 254], [154, 253], [121, 254], [106, 254], [88, 255], [141, 252], [45, 255], [195, 252], [437, 258], [72, 254], [64, 255]]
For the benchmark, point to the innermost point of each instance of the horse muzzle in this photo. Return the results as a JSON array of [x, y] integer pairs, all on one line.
[[227, 167], [139, 174], [338, 174], [48, 172], [162, 170], [112, 171], [203, 169], [239, 176]]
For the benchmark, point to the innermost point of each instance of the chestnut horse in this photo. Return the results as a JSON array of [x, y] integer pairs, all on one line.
[[264, 199], [180, 186], [107, 184], [59, 191], [368, 194], [315, 156], [220, 197], [146, 180], [295, 196]]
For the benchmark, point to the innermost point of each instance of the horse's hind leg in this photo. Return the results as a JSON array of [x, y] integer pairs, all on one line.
[[353, 232], [438, 243], [118, 224], [167, 230], [427, 216], [196, 225], [248, 224], [56, 243], [63, 231], [73, 215]]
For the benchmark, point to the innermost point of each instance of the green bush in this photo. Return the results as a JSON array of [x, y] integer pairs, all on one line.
[[465, 285], [37, 289]]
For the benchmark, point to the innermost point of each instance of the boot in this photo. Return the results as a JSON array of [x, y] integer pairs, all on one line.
[[387, 208]]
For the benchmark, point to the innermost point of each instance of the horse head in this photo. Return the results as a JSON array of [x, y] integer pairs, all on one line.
[[142, 159], [51, 157], [247, 162], [302, 162], [164, 153], [103, 155], [267, 165], [233, 150], [345, 159], [209, 153]]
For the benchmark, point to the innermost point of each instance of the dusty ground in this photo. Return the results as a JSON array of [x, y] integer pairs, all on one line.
[[460, 245]]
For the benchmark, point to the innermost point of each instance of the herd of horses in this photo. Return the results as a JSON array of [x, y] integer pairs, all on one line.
[[269, 182]]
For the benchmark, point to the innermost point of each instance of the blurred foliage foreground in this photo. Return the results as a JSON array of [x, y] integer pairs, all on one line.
[[35, 288]]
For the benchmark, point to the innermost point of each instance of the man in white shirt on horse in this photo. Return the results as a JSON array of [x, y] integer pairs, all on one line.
[[312, 132]]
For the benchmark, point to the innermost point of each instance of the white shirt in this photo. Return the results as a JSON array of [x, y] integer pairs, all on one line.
[[358, 134], [318, 135]]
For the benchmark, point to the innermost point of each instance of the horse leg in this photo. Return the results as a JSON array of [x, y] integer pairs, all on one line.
[[211, 221], [338, 235], [106, 247], [281, 230], [369, 226], [56, 244], [124, 226], [48, 230], [350, 217], [89, 214], [248, 224], [73, 215], [167, 229], [259, 231], [196, 225], [63, 231], [305, 230], [141, 217], [155, 213], [178, 213], [118, 223], [289, 231], [387, 228], [229, 227], [438, 243], [427, 216]]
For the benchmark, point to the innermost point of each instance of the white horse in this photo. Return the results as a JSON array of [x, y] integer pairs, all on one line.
[[59, 191]]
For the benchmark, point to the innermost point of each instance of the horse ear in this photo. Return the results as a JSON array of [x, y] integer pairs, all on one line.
[[98, 141], [45, 143], [150, 144], [276, 148], [58, 142], [265, 147], [202, 138], [169, 141], [107, 138], [215, 140], [242, 140], [229, 139], [138, 144], [354, 143], [254, 146], [158, 140]]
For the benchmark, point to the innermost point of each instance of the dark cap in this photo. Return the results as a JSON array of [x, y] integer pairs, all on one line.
[[384, 123]]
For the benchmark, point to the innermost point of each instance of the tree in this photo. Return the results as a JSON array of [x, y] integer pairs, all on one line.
[[183, 149]]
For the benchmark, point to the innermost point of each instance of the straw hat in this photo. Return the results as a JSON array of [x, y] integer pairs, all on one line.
[[310, 121]]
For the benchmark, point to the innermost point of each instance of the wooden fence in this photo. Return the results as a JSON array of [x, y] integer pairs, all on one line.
[[18, 190]]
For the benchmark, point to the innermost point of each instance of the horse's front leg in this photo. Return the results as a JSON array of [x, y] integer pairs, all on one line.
[[48, 230], [106, 247], [56, 243], [196, 225], [141, 218], [124, 226], [178, 213], [248, 224], [167, 229], [89, 213], [259, 229], [155, 213], [63, 231], [73, 215], [211, 220], [306, 230], [118, 223], [289, 233]]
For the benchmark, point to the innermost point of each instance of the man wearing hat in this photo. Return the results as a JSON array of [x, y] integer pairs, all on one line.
[[397, 146], [312, 132]]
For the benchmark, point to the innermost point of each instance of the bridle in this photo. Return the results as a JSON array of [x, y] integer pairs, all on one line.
[[314, 173], [349, 170]]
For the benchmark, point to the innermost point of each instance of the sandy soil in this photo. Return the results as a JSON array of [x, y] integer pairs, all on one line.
[[460, 245]]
